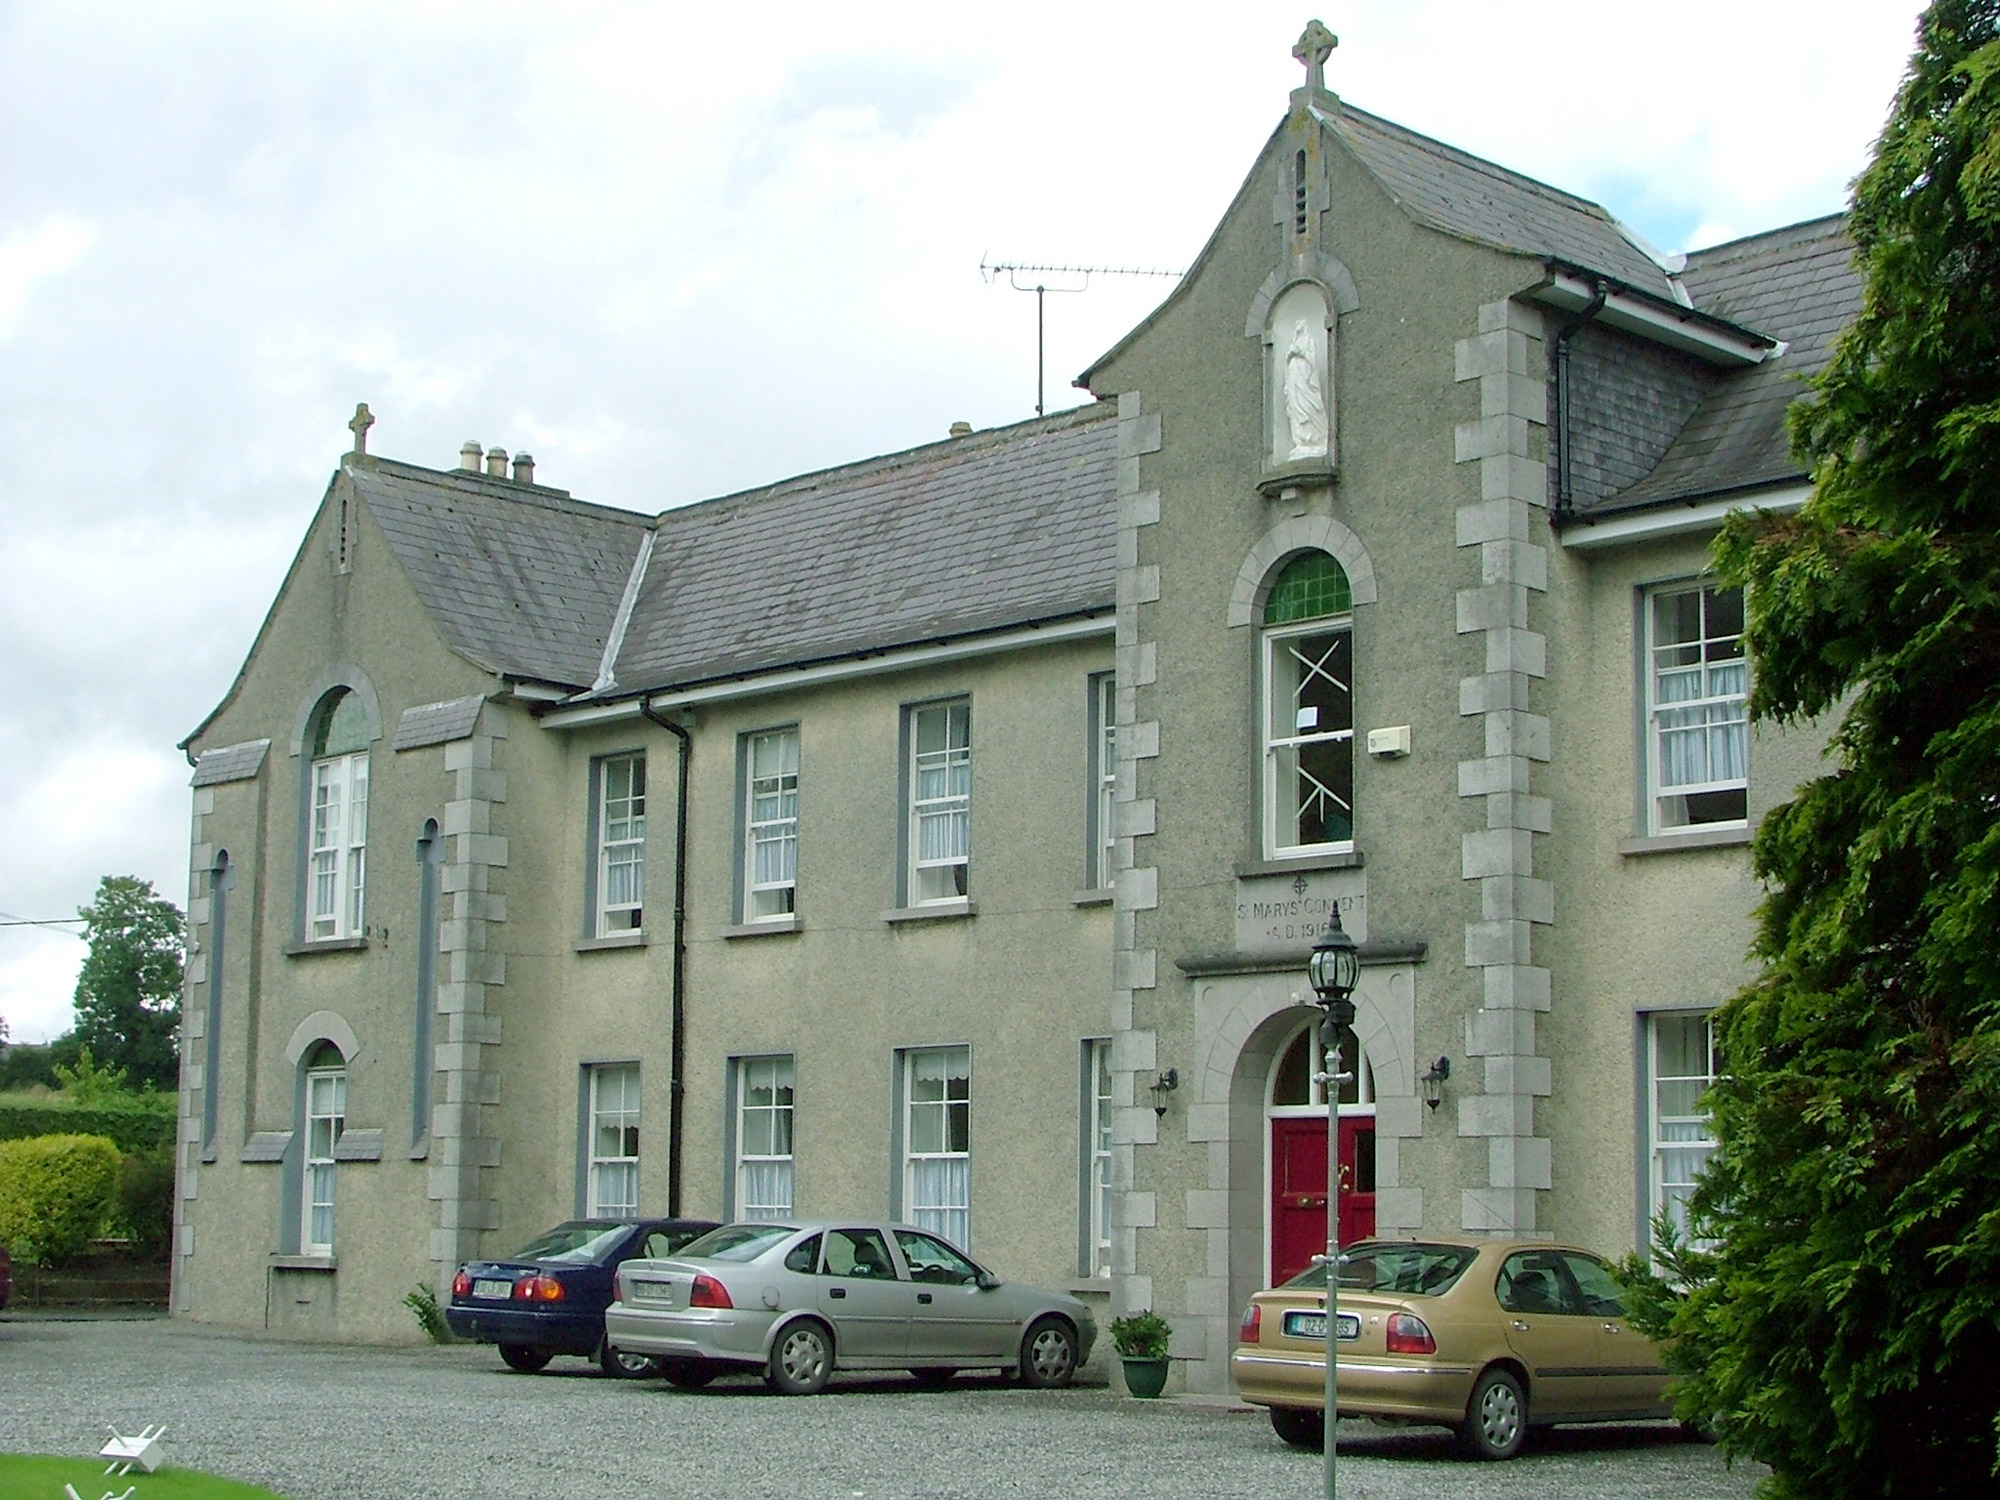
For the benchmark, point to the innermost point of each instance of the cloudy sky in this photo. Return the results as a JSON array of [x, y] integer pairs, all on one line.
[[671, 253]]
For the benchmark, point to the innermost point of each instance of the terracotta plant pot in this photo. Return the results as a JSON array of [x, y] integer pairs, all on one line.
[[1145, 1377]]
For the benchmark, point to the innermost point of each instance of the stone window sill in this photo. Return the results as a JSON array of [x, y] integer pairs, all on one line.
[[1700, 838], [1339, 859], [326, 1264], [1092, 898], [772, 927], [326, 945], [942, 911], [606, 944]]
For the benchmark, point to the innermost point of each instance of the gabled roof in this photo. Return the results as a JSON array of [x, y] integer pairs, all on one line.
[[1799, 284], [1008, 527], [521, 579]]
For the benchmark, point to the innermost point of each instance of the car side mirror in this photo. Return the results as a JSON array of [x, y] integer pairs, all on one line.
[[987, 1281]]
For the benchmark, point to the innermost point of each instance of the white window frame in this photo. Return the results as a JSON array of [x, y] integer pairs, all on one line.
[[771, 825], [336, 881], [1680, 1141], [621, 844], [1096, 1155], [1725, 712], [1280, 749], [937, 1144], [766, 1115], [940, 805], [612, 1178], [325, 1120], [1104, 780]]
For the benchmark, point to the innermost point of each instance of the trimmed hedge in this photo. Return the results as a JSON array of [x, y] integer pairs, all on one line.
[[56, 1192], [132, 1128]]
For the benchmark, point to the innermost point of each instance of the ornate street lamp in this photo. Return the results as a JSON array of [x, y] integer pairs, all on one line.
[[1334, 969]]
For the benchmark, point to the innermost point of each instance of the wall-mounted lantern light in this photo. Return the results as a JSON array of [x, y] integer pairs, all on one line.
[[1433, 1081], [1164, 1085]]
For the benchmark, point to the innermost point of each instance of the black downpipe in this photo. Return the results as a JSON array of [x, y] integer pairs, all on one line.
[[1565, 497], [677, 1063]]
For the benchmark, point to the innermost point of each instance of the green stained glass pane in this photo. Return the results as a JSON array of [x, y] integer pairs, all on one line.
[[1311, 585]]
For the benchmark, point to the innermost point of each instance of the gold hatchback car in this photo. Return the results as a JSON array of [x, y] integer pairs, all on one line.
[[1488, 1337]]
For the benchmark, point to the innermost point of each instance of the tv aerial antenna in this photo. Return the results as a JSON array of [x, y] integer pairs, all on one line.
[[1041, 288]]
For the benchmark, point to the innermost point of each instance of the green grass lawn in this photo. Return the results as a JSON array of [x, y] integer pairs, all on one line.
[[26, 1478]]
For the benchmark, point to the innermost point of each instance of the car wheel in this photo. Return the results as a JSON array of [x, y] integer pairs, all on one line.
[[688, 1374], [932, 1378], [1496, 1418], [1048, 1353], [801, 1360], [1300, 1426], [521, 1357], [622, 1364]]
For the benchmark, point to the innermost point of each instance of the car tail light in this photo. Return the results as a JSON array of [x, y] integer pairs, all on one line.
[[617, 1290], [708, 1292], [1252, 1329], [461, 1285], [1408, 1335], [538, 1289]]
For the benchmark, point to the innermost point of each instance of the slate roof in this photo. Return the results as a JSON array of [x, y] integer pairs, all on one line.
[[1799, 284], [1474, 199], [1006, 527], [521, 579]]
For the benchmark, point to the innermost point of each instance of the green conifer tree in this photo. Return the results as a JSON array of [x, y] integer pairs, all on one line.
[[1845, 1326]]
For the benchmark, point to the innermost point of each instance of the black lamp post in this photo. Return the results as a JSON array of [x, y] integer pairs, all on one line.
[[1334, 969]]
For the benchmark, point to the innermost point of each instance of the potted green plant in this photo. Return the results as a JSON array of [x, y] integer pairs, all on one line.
[[1141, 1342]]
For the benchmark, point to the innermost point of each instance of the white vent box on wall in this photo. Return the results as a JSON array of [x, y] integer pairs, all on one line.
[[1389, 742]]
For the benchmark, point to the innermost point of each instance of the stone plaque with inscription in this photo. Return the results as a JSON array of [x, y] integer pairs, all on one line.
[[1287, 913]]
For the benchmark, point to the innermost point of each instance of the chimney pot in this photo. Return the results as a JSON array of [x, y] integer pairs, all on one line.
[[961, 429], [524, 468], [468, 456], [496, 462]]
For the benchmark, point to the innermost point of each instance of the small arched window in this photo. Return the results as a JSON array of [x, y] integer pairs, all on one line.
[[325, 1119], [337, 871], [1308, 708]]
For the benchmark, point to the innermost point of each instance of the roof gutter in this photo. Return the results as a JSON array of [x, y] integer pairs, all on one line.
[[1713, 340], [870, 664], [1694, 516]]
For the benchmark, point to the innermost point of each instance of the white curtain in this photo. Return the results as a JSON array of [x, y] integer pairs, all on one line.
[[765, 1190], [941, 1196]]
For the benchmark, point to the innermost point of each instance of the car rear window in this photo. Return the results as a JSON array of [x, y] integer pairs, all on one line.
[[738, 1242], [1405, 1266], [573, 1241]]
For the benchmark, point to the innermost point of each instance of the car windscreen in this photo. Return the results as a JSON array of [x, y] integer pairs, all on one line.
[[573, 1241], [737, 1242], [1403, 1266]]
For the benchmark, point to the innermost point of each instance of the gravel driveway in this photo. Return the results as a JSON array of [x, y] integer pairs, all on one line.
[[319, 1422]]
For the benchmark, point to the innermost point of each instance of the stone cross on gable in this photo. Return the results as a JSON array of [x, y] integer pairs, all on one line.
[[363, 420], [1313, 49]]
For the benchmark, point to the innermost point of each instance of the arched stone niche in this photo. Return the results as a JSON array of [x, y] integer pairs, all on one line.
[[1299, 350]]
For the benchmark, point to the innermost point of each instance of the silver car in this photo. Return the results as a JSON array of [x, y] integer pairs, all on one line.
[[798, 1301]]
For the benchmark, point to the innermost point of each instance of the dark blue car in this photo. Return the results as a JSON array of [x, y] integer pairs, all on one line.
[[549, 1297]]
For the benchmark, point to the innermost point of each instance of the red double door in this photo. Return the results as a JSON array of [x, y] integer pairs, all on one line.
[[1298, 1189]]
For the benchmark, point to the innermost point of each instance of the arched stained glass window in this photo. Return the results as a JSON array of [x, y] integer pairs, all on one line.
[[1308, 717]]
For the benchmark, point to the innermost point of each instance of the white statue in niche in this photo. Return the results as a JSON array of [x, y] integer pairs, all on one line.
[[1305, 402]]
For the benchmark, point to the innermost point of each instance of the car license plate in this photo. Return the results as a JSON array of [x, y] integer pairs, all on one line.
[[492, 1288], [1312, 1325]]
